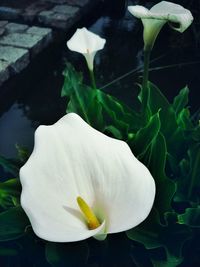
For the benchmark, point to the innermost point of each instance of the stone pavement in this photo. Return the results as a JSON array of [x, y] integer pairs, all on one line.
[[21, 40], [61, 14], [19, 43]]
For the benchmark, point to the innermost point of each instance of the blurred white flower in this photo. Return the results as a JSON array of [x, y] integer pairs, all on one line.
[[154, 19], [80, 183], [86, 43]]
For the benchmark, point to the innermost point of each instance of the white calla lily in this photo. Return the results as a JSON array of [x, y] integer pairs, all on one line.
[[80, 183], [86, 43], [154, 19]]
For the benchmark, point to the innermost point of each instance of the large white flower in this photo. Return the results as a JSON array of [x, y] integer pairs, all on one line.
[[153, 20], [86, 43], [80, 183]]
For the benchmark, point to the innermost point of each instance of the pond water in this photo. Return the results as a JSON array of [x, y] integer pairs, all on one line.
[[35, 99]]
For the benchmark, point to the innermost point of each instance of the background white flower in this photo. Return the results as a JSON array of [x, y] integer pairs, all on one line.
[[71, 159], [153, 20], [86, 43]]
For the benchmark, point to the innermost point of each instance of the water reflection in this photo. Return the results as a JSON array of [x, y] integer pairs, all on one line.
[[15, 128]]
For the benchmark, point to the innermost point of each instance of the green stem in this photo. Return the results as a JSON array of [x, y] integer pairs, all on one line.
[[145, 87], [92, 79]]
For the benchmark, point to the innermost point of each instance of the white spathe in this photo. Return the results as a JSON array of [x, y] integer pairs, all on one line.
[[154, 19], [72, 159], [86, 43]]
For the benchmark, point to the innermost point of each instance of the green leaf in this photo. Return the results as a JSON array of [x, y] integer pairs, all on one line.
[[141, 141], [191, 217], [193, 177], [13, 223], [22, 153], [97, 108], [122, 117], [156, 164], [11, 186], [173, 125], [167, 113], [184, 167], [147, 233], [181, 100], [83, 101], [171, 235], [174, 235], [196, 133], [184, 121], [172, 166], [177, 143], [171, 261], [189, 182], [9, 165], [68, 254], [114, 131], [157, 100], [10, 193], [72, 79]]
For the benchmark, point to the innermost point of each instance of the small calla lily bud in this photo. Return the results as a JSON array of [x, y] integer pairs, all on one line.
[[87, 43]]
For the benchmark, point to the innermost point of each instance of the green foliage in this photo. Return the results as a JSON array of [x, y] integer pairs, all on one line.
[[13, 223], [9, 165], [144, 137], [65, 255], [98, 108], [170, 235], [189, 182], [165, 139], [22, 153], [156, 164], [12, 166], [191, 217], [10, 193]]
